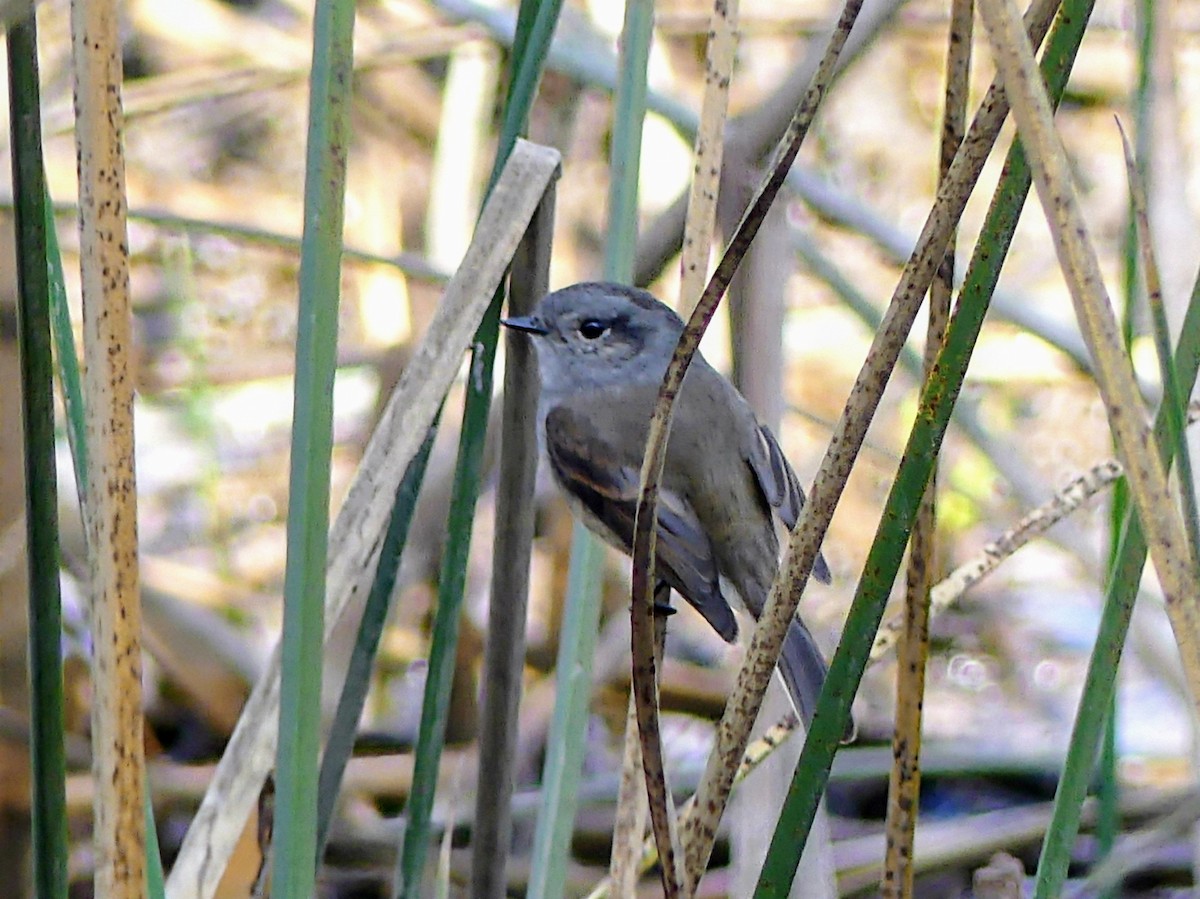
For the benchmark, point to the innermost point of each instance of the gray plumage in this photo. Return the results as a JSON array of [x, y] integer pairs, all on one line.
[[602, 351]]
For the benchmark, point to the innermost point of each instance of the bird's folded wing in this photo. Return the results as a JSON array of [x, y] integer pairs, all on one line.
[[780, 486], [594, 472]]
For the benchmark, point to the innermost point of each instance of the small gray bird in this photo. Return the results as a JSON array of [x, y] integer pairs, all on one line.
[[602, 351]]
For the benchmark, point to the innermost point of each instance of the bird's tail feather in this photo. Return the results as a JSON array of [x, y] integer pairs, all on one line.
[[803, 669]]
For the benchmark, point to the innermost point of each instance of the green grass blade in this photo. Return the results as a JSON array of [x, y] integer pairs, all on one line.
[[1100, 683], [883, 561], [340, 743], [532, 43], [48, 758], [70, 381], [568, 730], [156, 885], [565, 743], [1176, 404], [440, 677], [312, 439], [629, 112]]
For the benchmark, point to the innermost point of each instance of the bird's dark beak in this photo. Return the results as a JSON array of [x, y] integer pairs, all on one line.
[[526, 323]]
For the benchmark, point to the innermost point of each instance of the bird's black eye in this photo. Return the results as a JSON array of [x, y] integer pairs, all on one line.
[[591, 329]]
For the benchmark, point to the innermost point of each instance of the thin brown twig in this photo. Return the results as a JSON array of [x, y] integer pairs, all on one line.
[[698, 233]]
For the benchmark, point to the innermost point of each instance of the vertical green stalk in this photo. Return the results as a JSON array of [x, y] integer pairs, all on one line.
[[565, 742], [620, 245], [312, 444], [48, 762], [1107, 789], [568, 730], [937, 400], [535, 28], [1108, 821], [1108, 795]]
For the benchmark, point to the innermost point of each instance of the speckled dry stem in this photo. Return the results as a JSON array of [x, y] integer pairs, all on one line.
[[1166, 538], [709, 150], [912, 652], [357, 532], [1033, 524], [629, 824], [756, 753], [700, 827], [625, 866], [698, 234], [646, 662], [118, 757]]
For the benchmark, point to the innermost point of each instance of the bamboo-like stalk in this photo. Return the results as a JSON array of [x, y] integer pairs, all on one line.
[[435, 707], [1107, 777], [1166, 536], [744, 703], [933, 416], [71, 385], [296, 771], [358, 531], [118, 753], [632, 804], [912, 652], [504, 655], [567, 732], [46, 746], [629, 112]]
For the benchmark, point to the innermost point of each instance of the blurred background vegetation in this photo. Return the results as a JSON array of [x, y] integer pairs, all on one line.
[[215, 99]]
